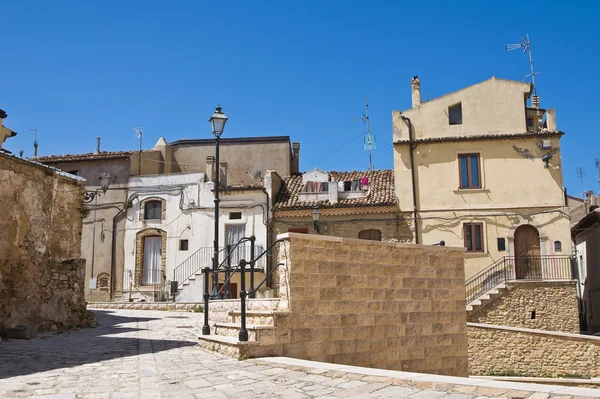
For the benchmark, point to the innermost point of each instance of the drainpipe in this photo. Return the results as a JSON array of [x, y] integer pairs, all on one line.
[[412, 175]]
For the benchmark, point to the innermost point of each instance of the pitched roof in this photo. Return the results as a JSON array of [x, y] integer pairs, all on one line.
[[381, 191], [83, 157]]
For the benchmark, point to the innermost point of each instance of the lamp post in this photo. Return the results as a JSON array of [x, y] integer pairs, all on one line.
[[218, 120], [88, 197], [316, 216]]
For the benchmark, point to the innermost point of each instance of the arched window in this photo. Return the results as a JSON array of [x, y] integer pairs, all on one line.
[[371, 234], [153, 210], [103, 279], [557, 246]]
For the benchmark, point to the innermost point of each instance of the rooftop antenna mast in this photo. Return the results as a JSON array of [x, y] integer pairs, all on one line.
[[526, 46], [35, 142], [369, 139], [598, 167], [140, 134]]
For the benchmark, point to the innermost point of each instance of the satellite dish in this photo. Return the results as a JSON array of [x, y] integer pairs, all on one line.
[[256, 172]]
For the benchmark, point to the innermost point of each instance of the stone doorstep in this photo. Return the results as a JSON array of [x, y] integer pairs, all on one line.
[[258, 317], [229, 346], [433, 378]]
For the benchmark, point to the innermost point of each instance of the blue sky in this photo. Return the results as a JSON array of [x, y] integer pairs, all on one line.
[[76, 70]]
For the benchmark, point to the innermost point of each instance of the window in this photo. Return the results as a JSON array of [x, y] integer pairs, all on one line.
[[74, 172], [153, 210], [473, 237], [371, 234], [455, 114], [557, 246], [103, 281], [468, 165], [235, 215], [183, 245], [501, 244]]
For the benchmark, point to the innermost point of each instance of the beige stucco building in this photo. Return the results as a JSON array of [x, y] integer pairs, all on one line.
[[479, 168]]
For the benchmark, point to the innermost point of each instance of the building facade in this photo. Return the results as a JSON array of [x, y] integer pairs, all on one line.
[[479, 168], [105, 218]]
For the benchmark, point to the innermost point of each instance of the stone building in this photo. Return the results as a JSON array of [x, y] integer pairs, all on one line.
[[242, 164], [4, 131], [349, 204], [41, 270]]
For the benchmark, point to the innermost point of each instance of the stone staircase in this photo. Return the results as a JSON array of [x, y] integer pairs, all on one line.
[[262, 319], [487, 297]]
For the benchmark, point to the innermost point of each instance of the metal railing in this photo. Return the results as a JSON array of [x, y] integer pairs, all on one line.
[[510, 268], [261, 258], [203, 258]]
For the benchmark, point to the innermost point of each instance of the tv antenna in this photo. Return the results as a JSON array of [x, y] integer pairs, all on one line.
[[140, 134], [369, 139], [35, 142], [526, 46], [598, 166]]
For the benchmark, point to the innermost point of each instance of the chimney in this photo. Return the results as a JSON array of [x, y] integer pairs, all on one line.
[[296, 159], [416, 91], [551, 119], [97, 145], [210, 168]]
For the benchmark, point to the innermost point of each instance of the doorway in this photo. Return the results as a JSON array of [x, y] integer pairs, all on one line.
[[152, 260], [528, 263]]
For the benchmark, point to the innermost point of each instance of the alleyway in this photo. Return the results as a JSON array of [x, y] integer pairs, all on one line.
[[152, 354]]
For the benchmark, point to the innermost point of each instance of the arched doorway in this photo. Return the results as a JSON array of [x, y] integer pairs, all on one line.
[[527, 253]]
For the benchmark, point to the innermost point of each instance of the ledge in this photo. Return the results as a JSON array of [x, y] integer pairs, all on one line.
[[555, 334], [471, 190]]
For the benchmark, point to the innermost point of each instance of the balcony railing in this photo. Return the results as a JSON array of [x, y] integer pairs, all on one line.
[[514, 268]]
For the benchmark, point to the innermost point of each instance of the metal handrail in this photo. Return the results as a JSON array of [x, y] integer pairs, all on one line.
[[509, 268], [192, 264], [253, 292]]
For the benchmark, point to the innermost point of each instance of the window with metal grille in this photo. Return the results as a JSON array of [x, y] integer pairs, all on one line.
[[153, 210], [468, 165], [473, 233]]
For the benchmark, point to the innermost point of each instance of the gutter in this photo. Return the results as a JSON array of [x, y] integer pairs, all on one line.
[[412, 146]]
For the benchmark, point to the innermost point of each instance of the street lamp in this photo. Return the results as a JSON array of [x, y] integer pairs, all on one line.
[[316, 216], [218, 120], [89, 196]]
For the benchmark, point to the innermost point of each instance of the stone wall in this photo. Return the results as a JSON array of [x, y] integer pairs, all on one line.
[[41, 273], [373, 304], [513, 351], [543, 305]]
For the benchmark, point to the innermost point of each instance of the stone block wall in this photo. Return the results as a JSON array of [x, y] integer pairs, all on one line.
[[500, 350], [41, 273], [543, 305], [373, 304]]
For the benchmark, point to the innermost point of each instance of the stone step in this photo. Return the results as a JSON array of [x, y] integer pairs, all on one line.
[[257, 317], [229, 346], [260, 333]]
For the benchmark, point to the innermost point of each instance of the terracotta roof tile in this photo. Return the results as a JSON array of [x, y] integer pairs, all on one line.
[[381, 192], [83, 157]]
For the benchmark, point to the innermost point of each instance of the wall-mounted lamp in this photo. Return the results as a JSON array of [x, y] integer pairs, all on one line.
[[441, 243], [546, 159], [104, 184], [316, 216]]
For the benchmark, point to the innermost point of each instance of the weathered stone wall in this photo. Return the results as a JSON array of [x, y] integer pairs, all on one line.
[[373, 304], [536, 353], [554, 304], [41, 273]]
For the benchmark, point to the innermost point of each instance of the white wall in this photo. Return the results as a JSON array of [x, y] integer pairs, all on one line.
[[190, 215]]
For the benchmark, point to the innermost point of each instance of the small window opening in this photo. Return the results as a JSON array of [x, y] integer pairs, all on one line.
[[183, 245], [557, 246], [501, 244], [455, 114], [235, 215], [74, 172], [153, 210], [533, 315]]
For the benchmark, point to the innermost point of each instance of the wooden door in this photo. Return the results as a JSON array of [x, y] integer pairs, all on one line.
[[527, 253]]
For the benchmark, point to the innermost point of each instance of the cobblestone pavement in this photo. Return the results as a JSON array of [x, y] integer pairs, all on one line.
[[153, 354]]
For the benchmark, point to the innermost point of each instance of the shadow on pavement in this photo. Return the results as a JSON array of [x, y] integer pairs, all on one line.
[[72, 348]]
